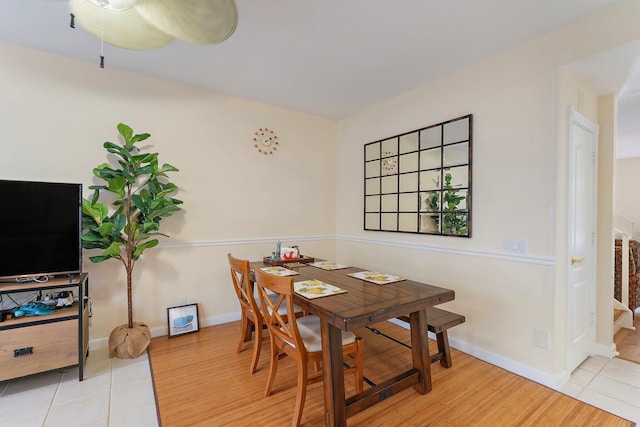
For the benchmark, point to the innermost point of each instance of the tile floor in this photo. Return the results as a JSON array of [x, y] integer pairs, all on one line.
[[114, 393], [609, 384], [119, 393]]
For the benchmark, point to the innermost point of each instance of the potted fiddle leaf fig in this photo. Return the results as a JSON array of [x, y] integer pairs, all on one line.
[[130, 224]]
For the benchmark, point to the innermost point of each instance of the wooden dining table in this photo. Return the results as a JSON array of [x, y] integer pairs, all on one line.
[[363, 304]]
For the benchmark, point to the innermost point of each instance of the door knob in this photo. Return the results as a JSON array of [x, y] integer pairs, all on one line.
[[576, 260]]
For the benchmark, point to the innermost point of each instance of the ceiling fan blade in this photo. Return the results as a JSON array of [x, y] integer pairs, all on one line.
[[196, 21], [126, 29]]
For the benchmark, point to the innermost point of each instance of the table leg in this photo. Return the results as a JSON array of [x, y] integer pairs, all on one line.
[[420, 350], [333, 372]]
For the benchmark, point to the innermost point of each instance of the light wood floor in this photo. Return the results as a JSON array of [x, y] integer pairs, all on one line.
[[628, 342], [200, 381]]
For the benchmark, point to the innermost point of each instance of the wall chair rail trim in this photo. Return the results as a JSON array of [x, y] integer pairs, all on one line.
[[527, 259]]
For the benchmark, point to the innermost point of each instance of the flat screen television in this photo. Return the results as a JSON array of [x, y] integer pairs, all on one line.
[[40, 229]]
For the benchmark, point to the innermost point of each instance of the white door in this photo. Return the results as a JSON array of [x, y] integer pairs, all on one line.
[[581, 286]]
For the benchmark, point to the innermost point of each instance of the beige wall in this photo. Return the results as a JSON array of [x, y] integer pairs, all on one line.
[[57, 112], [519, 100]]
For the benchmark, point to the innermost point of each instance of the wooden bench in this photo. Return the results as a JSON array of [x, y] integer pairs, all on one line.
[[438, 321]]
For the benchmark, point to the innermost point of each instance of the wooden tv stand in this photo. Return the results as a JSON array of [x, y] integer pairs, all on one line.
[[34, 344]]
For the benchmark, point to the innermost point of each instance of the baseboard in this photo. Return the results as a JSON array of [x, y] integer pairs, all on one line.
[[160, 331], [606, 350], [98, 344], [548, 380], [552, 381]]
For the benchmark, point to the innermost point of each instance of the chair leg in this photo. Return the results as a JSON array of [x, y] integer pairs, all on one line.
[[273, 367], [245, 332], [257, 347], [301, 393]]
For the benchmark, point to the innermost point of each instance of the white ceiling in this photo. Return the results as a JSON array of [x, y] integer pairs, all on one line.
[[330, 58], [617, 71]]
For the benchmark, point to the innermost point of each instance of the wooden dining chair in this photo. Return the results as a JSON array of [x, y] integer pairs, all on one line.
[[300, 339], [251, 317], [252, 323]]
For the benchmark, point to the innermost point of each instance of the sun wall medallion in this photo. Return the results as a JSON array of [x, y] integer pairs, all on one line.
[[265, 141]]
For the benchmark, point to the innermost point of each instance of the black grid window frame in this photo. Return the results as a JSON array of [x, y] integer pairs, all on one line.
[[388, 152]]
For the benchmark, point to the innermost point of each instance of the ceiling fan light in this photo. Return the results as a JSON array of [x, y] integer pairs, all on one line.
[[115, 4], [195, 21], [122, 28]]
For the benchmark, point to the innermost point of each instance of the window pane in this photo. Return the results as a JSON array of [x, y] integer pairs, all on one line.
[[430, 180], [372, 204], [430, 137], [430, 201], [430, 159], [408, 162], [372, 186], [409, 142], [454, 200], [372, 169], [455, 224], [389, 221], [372, 151], [408, 222], [456, 154], [429, 223], [390, 203], [459, 176], [409, 182], [456, 131], [409, 202], [389, 146], [372, 221], [390, 184]]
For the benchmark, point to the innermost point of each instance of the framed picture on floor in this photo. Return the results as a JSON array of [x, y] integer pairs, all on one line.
[[182, 319]]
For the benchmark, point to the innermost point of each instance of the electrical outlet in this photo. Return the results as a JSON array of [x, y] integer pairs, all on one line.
[[182, 300], [541, 339]]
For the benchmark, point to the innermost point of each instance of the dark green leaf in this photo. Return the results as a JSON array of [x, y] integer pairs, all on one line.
[[140, 137], [113, 249], [99, 258], [168, 168], [150, 244], [116, 149]]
